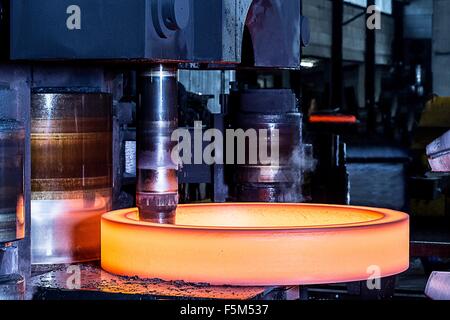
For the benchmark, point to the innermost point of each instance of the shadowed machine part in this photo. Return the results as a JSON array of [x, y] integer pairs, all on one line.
[[12, 215], [157, 180], [273, 110], [12, 208], [71, 175]]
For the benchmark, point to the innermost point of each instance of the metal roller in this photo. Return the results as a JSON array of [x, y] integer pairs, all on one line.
[[157, 180], [71, 148], [12, 215], [271, 110]]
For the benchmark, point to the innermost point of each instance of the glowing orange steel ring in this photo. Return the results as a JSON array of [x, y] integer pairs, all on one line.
[[259, 244]]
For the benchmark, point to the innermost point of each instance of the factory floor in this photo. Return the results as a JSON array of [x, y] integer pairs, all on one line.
[[49, 283]]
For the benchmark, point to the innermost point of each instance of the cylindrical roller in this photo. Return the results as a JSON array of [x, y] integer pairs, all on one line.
[[71, 149], [12, 215], [157, 180], [274, 111]]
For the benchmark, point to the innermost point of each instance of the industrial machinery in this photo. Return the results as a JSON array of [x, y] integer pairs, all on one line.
[[71, 176], [270, 182], [12, 139], [157, 180], [98, 82], [13, 203]]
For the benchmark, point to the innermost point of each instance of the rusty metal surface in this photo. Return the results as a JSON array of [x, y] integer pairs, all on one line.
[[217, 37], [95, 280]]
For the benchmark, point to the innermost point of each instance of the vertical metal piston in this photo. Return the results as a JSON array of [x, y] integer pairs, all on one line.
[[157, 180]]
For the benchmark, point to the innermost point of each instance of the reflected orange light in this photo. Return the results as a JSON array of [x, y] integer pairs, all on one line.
[[341, 119], [258, 244]]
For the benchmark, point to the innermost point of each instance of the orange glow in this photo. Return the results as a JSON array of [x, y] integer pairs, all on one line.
[[258, 244], [332, 119], [67, 230]]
